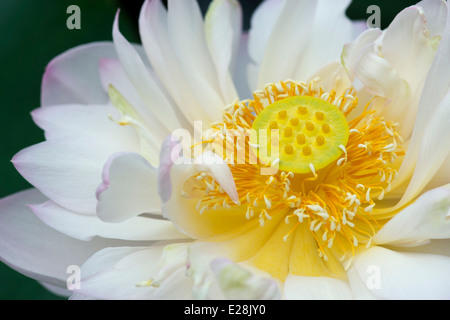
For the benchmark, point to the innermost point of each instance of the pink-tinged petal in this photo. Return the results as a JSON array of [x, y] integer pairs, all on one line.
[[426, 218], [67, 173], [86, 227], [73, 78], [402, 275], [142, 80], [129, 188], [170, 153], [34, 249], [316, 288]]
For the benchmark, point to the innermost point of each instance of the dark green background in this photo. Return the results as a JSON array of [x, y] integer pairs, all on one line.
[[32, 33]]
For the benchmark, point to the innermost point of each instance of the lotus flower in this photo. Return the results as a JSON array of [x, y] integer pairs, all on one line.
[[137, 185]]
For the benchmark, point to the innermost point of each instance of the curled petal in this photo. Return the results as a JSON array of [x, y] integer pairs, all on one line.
[[129, 188]]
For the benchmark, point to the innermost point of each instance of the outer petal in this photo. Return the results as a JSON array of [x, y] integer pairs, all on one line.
[[85, 227], [67, 173], [73, 77], [426, 218], [31, 247], [129, 188], [316, 288], [399, 275], [84, 122], [113, 273]]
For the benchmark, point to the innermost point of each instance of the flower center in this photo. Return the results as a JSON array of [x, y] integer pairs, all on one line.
[[308, 131], [333, 169]]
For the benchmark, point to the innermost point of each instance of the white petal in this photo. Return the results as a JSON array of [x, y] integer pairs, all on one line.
[[73, 78], [331, 30], [182, 210], [351, 52], [186, 35], [153, 28], [241, 72], [315, 288], [436, 13], [84, 122], [426, 218], [434, 149], [262, 23], [112, 73], [223, 24], [84, 227], [436, 87], [237, 283], [142, 80], [113, 273], [359, 288], [285, 46], [379, 76], [218, 168], [34, 249], [67, 171], [400, 275], [129, 188], [408, 33]]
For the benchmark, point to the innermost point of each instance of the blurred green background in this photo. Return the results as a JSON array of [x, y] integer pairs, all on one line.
[[33, 32]]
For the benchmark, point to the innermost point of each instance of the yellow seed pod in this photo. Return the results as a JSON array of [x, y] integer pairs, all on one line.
[[310, 132]]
